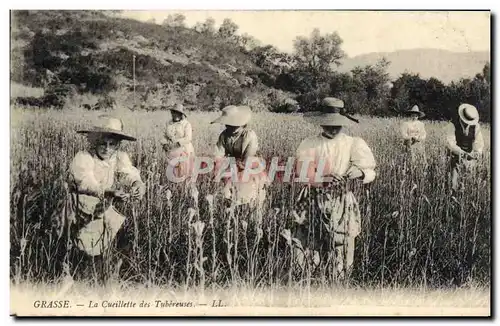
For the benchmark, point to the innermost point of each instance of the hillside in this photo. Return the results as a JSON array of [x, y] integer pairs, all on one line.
[[444, 65], [170, 62], [100, 60]]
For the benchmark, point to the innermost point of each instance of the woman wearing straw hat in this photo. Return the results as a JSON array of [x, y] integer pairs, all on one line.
[[240, 142], [464, 141], [414, 134], [334, 214], [177, 140], [100, 175]]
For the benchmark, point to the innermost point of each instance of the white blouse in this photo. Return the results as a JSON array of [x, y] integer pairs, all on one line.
[[179, 132], [91, 173], [339, 154], [413, 129]]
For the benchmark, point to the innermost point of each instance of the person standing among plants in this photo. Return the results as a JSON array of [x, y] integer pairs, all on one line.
[[240, 142], [329, 208], [99, 176], [177, 140], [465, 141], [414, 134]]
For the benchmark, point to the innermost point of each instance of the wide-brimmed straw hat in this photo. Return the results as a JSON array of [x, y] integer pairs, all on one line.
[[178, 108], [108, 125], [468, 114], [415, 111], [234, 115], [332, 114]]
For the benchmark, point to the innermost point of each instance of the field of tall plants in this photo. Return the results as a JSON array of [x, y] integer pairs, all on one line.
[[414, 232]]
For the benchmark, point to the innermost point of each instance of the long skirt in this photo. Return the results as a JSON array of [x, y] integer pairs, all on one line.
[[327, 221], [244, 189], [460, 167], [415, 157], [92, 228], [181, 162]]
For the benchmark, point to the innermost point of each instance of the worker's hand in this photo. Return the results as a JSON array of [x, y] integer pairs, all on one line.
[[121, 195], [474, 155], [466, 156], [241, 164], [354, 173], [335, 180], [138, 190]]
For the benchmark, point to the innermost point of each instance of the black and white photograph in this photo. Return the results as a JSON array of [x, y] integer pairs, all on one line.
[[250, 163]]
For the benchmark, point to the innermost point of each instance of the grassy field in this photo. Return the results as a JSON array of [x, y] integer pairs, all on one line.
[[414, 233]]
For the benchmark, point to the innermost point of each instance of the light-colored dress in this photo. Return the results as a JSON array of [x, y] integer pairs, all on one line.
[[340, 154], [414, 135], [241, 146], [179, 132], [88, 173], [178, 137], [331, 213]]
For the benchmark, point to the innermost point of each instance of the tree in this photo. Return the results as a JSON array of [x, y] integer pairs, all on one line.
[[432, 96], [248, 42], [408, 90], [487, 73], [177, 20], [319, 52], [228, 29], [435, 100], [476, 91], [207, 27], [370, 86], [316, 55]]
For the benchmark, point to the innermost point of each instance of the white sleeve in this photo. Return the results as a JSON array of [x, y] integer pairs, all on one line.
[[82, 171], [451, 141], [362, 157], [188, 134], [306, 154], [404, 130], [422, 135], [478, 145], [124, 167]]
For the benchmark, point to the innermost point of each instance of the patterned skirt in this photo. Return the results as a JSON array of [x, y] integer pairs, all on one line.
[[326, 216], [251, 191], [182, 160]]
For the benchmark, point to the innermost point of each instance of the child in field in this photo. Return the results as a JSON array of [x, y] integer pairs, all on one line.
[[334, 216], [414, 134], [465, 142], [100, 175], [177, 140], [239, 142]]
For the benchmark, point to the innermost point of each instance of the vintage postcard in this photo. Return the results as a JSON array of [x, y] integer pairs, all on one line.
[[250, 163]]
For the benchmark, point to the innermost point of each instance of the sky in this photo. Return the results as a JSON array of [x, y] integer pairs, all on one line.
[[361, 31]]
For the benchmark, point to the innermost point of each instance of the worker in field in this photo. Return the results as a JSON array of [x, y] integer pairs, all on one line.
[[327, 212], [177, 142], [100, 175], [465, 142], [237, 148], [413, 134]]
